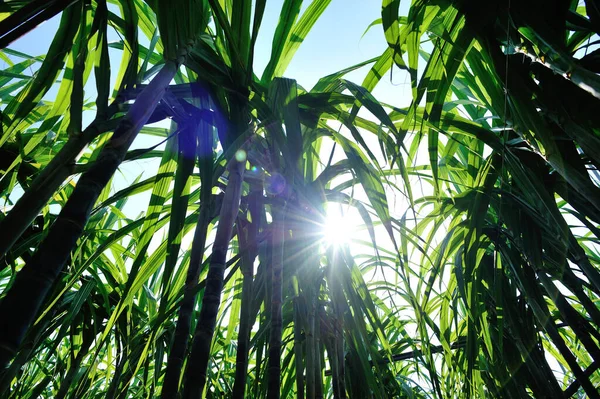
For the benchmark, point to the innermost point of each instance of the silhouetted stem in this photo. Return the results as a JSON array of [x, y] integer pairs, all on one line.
[[274, 365], [20, 306], [181, 337], [198, 362], [298, 352], [568, 68], [29, 17], [337, 341], [318, 363], [248, 245], [46, 184], [311, 362], [184, 319]]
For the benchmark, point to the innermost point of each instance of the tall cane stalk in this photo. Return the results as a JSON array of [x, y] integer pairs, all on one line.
[[198, 362], [47, 183], [24, 299], [181, 337], [274, 370], [249, 246]]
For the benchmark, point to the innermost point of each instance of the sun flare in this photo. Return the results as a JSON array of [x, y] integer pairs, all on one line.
[[337, 229]]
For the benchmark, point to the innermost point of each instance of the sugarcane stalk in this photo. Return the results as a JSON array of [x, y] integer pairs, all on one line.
[[62, 164], [249, 247], [25, 353], [259, 361], [331, 354], [28, 17], [340, 358], [47, 183], [318, 359], [298, 351], [274, 362], [568, 68], [196, 372], [311, 361], [263, 300], [32, 283], [337, 344], [181, 336], [185, 168]]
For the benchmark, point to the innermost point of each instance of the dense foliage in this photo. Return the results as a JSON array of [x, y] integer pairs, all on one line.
[[474, 273]]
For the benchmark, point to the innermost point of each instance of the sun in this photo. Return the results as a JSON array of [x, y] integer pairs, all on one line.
[[337, 229]]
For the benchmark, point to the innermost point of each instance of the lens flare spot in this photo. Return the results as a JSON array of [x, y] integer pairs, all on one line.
[[240, 156], [276, 184]]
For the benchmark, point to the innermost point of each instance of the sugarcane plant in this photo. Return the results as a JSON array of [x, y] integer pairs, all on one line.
[[39, 274], [512, 241], [473, 273], [231, 117]]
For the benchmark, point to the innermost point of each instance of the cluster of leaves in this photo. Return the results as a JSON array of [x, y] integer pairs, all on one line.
[[522, 288], [489, 283]]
